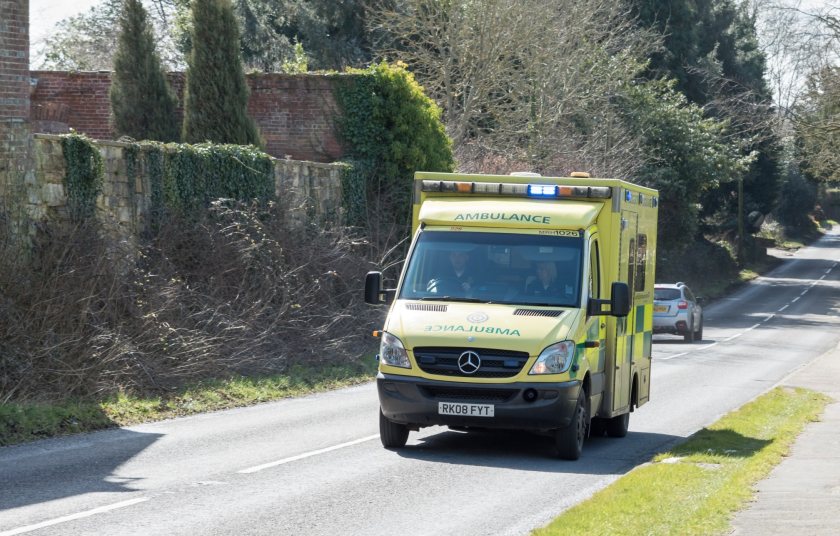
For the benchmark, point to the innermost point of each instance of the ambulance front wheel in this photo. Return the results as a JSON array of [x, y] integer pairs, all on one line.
[[393, 435], [569, 440]]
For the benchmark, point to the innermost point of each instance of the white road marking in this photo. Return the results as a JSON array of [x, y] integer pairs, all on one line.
[[828, 271], [796, 299], [769, 317], [733, 337], [73, 517], [804, 292], [821, 278], [305, 455], [783, 308], [699, 348]]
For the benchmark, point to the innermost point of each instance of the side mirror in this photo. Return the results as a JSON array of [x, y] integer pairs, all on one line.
[[374, 293], [373, 288], [620, 300]]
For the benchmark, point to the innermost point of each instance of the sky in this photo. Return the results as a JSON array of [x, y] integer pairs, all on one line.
[[44, 14]]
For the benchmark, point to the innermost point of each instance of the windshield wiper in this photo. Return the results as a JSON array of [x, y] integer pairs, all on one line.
[[450, 298]]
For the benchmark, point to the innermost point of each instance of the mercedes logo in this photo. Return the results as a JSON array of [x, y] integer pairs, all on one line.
[[469, 362], [478, 317]]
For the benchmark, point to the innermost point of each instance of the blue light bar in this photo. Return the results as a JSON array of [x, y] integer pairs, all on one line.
[[542, 190]]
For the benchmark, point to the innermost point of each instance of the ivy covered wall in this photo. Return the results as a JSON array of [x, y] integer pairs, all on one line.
[[126, 185]]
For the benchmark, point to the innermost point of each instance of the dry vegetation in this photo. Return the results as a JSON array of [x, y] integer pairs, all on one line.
[[234, 292]]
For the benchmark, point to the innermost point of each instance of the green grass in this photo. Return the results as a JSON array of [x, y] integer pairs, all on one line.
[[697, 486], [20, 422]]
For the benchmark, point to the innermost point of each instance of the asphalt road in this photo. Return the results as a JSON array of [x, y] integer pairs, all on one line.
[[314, 465]]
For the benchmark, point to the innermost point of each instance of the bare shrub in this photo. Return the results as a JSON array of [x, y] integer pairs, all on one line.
[[534, 81], [235, 291]]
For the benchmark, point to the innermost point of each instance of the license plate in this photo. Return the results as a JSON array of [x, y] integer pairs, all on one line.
[[660, 308], [466, 410]]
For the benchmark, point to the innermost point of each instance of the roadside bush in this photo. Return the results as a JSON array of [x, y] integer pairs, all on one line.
[[233, 292], [698, 265], [393, 130]]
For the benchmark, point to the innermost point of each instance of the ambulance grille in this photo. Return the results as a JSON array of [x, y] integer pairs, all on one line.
[[434, 307], [494, 363], [468, 394], [553, 313]]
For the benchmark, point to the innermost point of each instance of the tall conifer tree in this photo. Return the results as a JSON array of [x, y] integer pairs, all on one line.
[[142, 102], [216, 95]]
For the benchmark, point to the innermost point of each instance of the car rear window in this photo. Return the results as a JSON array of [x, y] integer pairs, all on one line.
[[666, 294]]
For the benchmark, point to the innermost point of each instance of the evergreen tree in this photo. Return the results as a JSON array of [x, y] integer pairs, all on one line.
[[142, 102], [216, 94], [710, 47]]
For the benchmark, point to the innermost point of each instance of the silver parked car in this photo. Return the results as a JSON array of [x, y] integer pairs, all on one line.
[[677, 311]]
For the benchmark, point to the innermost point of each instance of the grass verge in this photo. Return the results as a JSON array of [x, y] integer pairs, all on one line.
[[20, 422], [695, 488]]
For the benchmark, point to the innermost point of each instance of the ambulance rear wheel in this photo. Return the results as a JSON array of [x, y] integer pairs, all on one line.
[[569, 440], [393, 435], [618, 426]]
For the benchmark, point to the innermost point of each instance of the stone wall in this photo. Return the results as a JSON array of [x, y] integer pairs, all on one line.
[[311, 191], [295, 113]]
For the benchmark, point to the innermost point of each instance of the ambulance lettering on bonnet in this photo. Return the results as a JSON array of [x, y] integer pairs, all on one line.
[[439, 328], [525, 302]]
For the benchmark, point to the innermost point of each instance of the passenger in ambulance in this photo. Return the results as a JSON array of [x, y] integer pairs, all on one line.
[[546, 283], [456, 275]]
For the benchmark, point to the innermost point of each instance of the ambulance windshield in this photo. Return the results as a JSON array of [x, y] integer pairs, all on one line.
[[491, 267]]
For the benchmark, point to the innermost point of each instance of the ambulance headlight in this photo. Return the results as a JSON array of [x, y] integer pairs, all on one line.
[[392, 352], [555, 359]]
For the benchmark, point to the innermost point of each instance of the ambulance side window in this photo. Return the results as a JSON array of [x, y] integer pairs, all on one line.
[[641, 262], [594, 270]]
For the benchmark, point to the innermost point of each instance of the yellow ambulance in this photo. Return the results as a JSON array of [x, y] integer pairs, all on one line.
[[525, 302]]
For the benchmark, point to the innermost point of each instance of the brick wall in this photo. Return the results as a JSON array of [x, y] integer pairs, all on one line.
[[14, 111], [14, 59], [81, 97], [295, 113]]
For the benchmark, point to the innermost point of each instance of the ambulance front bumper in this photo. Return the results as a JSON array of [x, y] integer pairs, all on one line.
[[417, 402]]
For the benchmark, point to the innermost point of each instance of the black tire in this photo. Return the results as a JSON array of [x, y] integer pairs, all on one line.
[[688, 336], [698, 335], [569, 440], [618, 426], [393, 435]]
